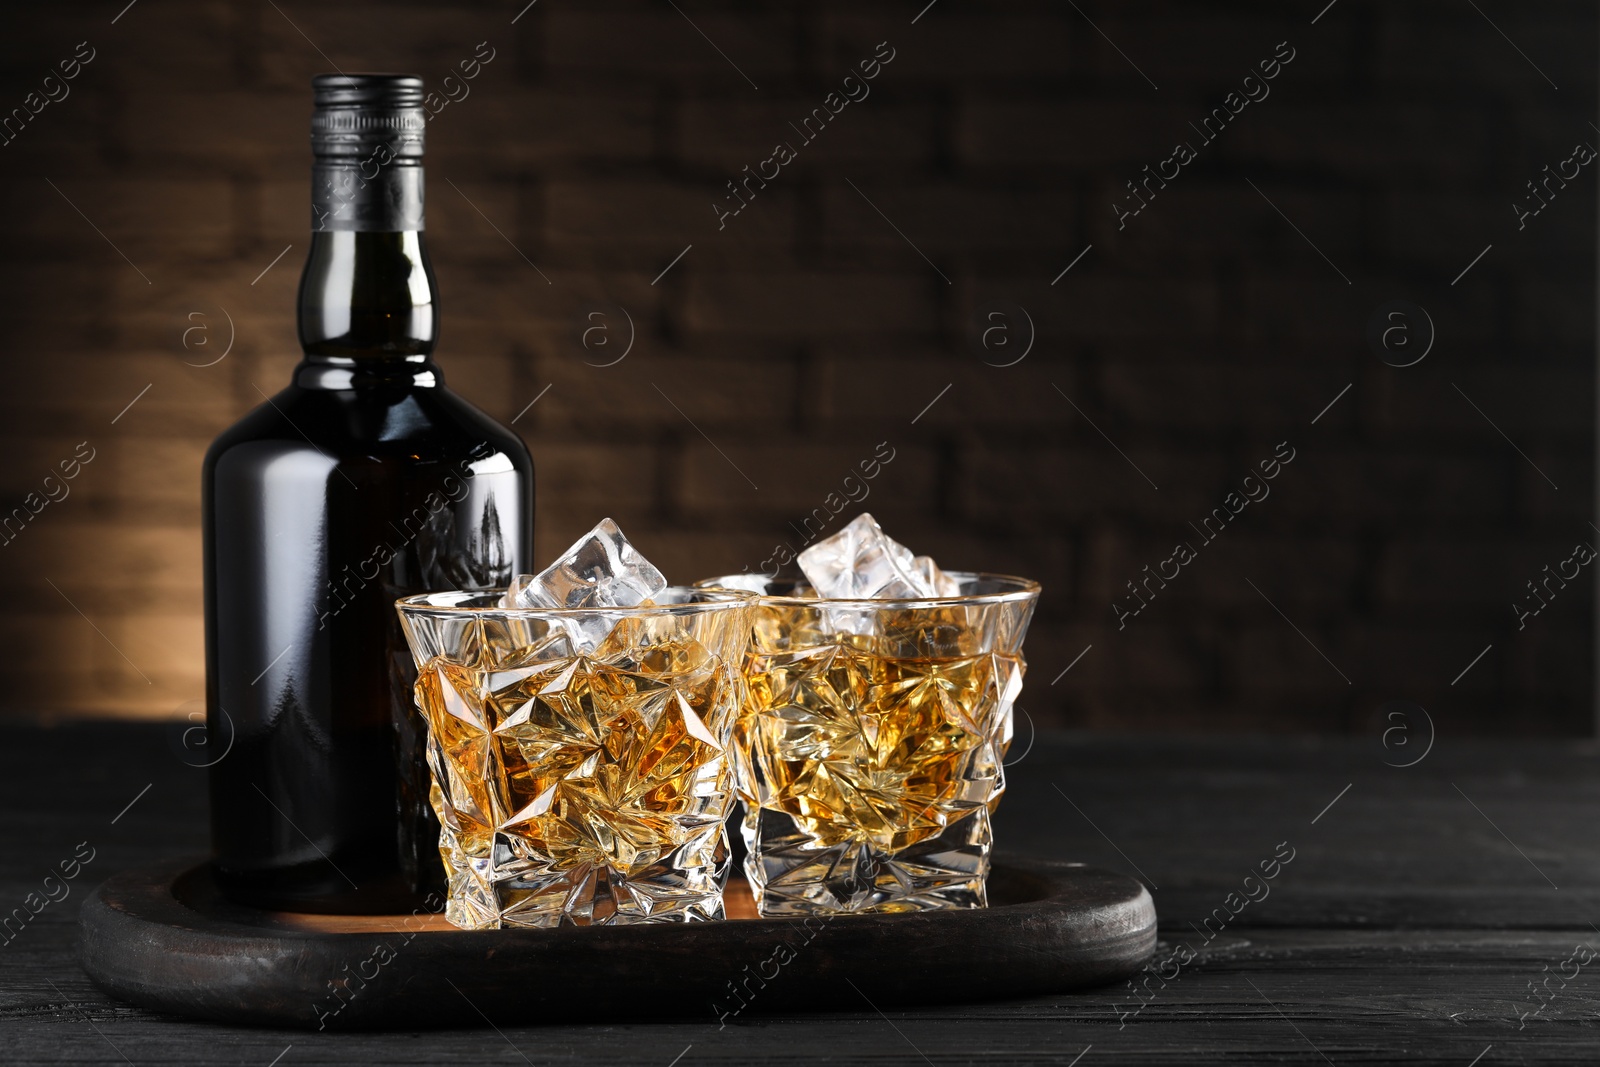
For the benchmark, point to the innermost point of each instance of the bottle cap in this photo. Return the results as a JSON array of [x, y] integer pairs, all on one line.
[[356, 114], [366, 147]]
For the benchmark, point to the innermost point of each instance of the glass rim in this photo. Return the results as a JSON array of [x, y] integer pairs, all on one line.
[[720, 600], [1023, 589]]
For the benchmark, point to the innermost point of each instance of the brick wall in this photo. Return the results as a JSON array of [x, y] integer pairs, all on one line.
[[1177, 352]]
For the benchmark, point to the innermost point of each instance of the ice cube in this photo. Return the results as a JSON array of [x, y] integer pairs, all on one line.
[[748, 583], [600, 570], [863, 562], [517, 595], [934, 578]]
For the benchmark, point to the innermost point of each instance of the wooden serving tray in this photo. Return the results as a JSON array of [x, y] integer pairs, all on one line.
[[163, 938]]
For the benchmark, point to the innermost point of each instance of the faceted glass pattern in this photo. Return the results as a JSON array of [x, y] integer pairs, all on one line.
[[869, 754], [580, 788]]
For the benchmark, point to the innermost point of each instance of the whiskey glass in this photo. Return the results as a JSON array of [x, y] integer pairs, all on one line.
[[580, 784], [869, 755]]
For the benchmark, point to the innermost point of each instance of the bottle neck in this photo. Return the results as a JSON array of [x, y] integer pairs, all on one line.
[[368, 303]]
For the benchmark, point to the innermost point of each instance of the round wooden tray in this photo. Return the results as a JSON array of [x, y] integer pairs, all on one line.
[[163, 938]]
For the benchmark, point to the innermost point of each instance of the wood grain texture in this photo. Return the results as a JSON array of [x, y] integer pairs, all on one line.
[[1406, 930]]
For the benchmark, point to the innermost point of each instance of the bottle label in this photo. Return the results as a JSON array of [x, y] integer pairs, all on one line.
[[370, 196]]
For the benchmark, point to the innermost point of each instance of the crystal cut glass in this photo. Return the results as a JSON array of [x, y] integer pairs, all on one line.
[[869, 753], [578, 787]]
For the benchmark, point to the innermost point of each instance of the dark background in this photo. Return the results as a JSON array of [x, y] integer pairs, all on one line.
[[779, 352]]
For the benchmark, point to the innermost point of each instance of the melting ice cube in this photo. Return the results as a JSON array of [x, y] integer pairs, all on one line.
[[863, 562]]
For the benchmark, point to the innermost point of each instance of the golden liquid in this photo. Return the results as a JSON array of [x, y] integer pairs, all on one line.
[[886, 751], [578, 787]]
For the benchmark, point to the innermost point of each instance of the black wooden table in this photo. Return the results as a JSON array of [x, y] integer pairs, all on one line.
[[1441, 913]]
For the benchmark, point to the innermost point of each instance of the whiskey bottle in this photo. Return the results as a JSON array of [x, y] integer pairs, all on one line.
[[364, 480]]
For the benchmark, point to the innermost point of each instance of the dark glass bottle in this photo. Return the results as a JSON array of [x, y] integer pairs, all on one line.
[[362, 481]]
